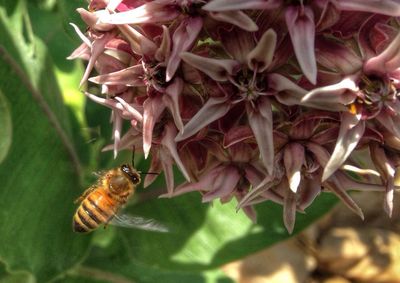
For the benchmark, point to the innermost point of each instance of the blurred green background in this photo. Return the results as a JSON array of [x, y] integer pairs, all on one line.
[[50, 143]]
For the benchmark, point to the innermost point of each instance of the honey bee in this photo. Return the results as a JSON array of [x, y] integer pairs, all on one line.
[[100, 203]]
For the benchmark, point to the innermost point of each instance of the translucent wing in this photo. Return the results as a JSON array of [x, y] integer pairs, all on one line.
[[137, 222]]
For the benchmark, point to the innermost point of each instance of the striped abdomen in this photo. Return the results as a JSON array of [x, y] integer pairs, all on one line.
[[97, 208]]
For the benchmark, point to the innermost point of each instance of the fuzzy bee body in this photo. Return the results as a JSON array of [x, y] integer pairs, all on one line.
[[101, 202]]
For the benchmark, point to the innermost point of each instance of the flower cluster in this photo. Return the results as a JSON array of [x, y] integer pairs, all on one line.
[[258, 100]]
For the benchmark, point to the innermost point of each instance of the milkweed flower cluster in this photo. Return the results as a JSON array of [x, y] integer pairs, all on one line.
[[258, 100]]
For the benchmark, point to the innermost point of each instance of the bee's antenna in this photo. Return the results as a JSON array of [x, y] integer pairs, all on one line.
[[133, 156], [133, 163]]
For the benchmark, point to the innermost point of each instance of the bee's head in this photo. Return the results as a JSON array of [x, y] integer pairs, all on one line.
[[131, 173]]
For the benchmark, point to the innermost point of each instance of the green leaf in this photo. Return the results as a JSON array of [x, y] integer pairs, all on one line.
[[41, 172], [112, 264], [51, 24], [6, 127], [18, 278], [15, 277], [204, 236]]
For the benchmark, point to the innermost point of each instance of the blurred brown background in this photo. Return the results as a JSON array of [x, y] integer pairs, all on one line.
[[340, 248]]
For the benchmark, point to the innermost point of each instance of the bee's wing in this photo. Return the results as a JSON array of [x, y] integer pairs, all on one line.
[[130, 221]]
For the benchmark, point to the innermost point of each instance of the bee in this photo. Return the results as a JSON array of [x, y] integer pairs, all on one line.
[[100, 203]]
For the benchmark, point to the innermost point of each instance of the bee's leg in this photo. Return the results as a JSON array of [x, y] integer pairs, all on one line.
[[85, 194]]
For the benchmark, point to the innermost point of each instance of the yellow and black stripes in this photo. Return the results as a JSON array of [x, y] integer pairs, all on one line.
[[91, 214]]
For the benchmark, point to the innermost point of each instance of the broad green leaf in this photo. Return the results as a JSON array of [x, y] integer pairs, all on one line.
[[18, 277], [113, 264], [15, 277], [51, 24], [206, 236], [6, 127], [40, 174]]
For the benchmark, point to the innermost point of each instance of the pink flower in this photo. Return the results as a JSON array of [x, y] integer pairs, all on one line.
[[240, 81], [228, 176], [302, 20], [258, 100], [303, 143], [369, 92]]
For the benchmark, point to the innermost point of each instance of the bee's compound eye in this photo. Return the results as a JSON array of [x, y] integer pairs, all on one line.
[[132, 174], [126, 169], [134, 178]]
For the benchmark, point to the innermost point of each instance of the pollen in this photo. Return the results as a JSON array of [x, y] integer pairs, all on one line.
[[353, 108]]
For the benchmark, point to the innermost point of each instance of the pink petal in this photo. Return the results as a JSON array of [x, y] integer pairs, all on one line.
[[139, 43], [349, 184], [238, 44], [391, 123], [237, 18], [332, 97], [337, 188], [205, 183], [350, 133], [217, 69], [320, 153], [250, 213], [326, 136], [293, 158], [153, 107], [305, 125], [170, 144], [241, 152], [301, 26], [391, 140], [336, 57], [166, 163], [130, 109], [237, 134], [112, 4], [155, 166], [163, 52], [387, 173], [171, 100], [289, 210], [182, 40], [260, 189], [111, 103], [255, 176], [309, 190], [147, 13], [117, 126], [386, 62], [287, 91], [386, 7], [91, 19], [96, 50], [82, 52], [260, 57], [131, 138], [231, 5], [213, 109], [260, 120], [132, 76], [224, 184], [81, 35]]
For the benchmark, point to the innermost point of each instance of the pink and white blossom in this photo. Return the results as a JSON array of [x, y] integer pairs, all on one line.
[[258, 100]]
